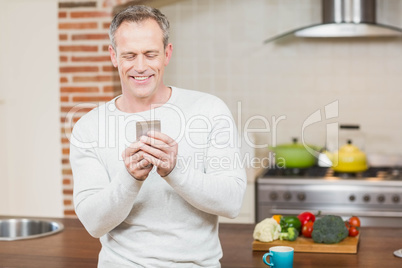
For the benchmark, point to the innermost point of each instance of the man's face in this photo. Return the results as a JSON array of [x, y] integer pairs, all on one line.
[[141, 58]]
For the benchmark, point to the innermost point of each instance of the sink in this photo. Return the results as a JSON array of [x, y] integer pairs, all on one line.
[[18, 229]]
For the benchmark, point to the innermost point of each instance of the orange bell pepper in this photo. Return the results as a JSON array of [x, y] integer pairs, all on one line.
[[277, 218]]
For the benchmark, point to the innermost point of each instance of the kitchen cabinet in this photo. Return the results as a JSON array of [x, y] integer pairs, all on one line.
[[30, 154]]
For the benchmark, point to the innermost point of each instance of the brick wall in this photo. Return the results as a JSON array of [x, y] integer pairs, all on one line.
[[87, 77]]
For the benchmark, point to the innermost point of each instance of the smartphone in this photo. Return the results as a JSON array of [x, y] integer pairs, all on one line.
[[142, 127]]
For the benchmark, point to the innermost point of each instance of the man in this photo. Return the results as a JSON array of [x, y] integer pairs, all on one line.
[[154, 200]]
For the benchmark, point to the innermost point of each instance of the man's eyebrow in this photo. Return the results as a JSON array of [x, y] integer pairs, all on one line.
[[127, 53], [151, 51], [146, 52]]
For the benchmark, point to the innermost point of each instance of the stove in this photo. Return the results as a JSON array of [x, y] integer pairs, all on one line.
[[375, 195]]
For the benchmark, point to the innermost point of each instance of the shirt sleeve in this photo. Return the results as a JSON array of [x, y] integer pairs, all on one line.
[[218, 189], [100, 203]]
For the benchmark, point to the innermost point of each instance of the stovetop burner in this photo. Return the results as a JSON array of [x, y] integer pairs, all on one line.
[[349, 175], [316, 172], [297, 172]]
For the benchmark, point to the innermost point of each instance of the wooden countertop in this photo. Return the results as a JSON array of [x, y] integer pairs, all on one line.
[[74, 247]]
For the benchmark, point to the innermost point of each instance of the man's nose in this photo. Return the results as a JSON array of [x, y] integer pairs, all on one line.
[[140, 64]]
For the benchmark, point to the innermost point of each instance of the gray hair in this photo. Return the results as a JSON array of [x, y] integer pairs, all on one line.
[[139, 13]]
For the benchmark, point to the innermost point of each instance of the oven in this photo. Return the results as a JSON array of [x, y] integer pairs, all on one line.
[[375, 196]]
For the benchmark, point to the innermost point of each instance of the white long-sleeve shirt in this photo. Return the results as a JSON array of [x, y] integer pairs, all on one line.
[[159, 222]]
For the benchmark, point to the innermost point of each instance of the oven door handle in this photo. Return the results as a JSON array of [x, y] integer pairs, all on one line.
[[379, 214]]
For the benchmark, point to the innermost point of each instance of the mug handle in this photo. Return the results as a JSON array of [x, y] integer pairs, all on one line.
[[264, 258]]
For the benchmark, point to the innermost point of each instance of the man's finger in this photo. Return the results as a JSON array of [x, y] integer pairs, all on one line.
[[156, 152], [160, 136], [144, 164], [132, 149], [159, 144], [153, 160]]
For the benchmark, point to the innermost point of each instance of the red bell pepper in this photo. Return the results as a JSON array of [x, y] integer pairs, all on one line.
[[306, 217]]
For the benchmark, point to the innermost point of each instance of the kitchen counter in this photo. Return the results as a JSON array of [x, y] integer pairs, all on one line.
[[74, 247]]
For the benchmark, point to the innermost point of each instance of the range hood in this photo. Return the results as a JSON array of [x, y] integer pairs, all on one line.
[[345, 18]]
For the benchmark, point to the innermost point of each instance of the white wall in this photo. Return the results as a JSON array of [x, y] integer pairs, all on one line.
[[30, 151]]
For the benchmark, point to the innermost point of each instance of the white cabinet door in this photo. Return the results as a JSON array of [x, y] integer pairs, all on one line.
[[30, 150], [4, 187]]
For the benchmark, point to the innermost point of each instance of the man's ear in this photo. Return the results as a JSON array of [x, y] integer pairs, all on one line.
[[113, 56], [168, 53]]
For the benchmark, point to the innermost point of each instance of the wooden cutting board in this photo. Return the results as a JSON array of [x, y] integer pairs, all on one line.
[[302, 244]]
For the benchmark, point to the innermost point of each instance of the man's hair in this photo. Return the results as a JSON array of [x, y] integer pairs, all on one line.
[[139, 13]]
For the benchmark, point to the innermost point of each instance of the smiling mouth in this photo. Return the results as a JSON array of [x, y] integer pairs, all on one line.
[[140, 78]]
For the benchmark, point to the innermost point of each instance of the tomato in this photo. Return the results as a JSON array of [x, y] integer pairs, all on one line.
[[307, 229], [353, 231], [354, 221], [306, 217]]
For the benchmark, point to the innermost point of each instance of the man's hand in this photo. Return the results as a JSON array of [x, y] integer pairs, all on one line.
[[135, 163], [161, 151]]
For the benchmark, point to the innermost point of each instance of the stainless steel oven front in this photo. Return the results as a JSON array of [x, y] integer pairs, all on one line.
[[377, 201]]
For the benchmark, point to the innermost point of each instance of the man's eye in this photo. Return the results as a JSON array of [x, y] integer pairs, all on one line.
[[128, 57], [151, 56]]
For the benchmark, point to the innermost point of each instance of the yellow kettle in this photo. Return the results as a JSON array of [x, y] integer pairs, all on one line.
[[349, 158]]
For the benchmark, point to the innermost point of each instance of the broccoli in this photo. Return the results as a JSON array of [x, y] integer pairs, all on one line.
[[291, 234], [329, 229]]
